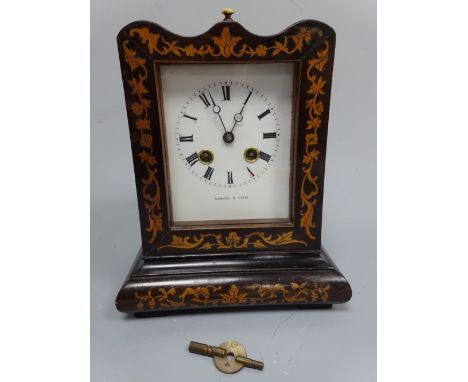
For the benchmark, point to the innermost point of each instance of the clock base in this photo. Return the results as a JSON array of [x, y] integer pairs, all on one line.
[[308, 279], [164, 313]]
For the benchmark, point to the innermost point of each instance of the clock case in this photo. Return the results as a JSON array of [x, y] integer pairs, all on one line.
[[213, 266]]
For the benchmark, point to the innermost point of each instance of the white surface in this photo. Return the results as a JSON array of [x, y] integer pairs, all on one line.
[[333, 345], [196, 197]]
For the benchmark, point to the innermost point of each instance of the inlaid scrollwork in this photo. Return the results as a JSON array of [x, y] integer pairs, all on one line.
[[315, 108], [212, 295], [225, 45], [140, 105], [232, 241]]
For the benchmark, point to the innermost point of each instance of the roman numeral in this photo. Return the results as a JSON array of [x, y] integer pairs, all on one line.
[[266, 112], [247, 99], [226, 93], [266, 157], [208, 173], [230, 179], [250, 172], [204, 99], [190, 117], [188, 138], [192, 159], [269, 135]]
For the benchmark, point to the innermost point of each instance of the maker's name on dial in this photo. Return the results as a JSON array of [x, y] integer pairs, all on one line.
[[238, 197]]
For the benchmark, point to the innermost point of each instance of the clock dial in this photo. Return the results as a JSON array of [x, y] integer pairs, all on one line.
[[226, 125], [228, 141]]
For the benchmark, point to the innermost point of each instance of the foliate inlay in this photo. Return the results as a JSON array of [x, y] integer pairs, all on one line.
[[232, 240], [315, 108], [212, 295], [225, 45], [140, 105]]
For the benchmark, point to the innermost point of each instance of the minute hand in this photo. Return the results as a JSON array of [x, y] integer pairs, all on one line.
[[238, 117]]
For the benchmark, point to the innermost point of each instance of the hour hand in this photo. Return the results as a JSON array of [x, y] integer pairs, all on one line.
[[216, 108]]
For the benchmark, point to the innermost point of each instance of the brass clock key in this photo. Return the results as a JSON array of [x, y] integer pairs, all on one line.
[[229, 357]]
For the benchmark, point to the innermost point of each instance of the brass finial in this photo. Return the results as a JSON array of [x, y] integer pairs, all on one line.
[[228, 12]]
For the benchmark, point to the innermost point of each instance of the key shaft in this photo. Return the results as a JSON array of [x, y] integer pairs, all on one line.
[[247, 362], [206, 350]]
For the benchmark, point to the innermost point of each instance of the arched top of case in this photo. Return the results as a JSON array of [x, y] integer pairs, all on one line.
[[228, 41]]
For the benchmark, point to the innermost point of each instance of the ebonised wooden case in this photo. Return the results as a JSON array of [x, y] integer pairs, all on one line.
[[238, 265]]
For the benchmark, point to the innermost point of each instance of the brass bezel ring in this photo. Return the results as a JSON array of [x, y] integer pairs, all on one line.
[[200, 157], [248, 159]]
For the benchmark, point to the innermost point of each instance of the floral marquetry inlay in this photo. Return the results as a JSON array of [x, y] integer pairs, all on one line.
[[315, 108], [225, 45], [232, 240], [140, 106], [212, 295]]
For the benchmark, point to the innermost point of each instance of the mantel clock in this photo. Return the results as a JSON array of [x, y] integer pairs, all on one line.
[[228, 132]]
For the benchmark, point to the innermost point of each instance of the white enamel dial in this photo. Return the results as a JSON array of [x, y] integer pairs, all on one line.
[[227, 134], [228, 141]]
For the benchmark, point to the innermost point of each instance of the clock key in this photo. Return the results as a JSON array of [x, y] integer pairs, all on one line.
[[229, 357]]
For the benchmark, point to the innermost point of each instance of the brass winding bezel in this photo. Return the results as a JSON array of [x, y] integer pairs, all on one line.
[[248, 159], [206, 162]]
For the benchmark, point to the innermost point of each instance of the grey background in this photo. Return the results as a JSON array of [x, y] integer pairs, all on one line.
[[296, 345]]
